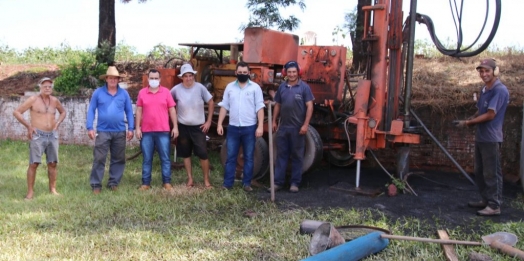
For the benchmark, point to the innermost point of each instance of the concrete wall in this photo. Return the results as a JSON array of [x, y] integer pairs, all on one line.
[[72, 130]]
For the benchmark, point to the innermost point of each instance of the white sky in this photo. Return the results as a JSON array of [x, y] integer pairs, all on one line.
[[43, 23]]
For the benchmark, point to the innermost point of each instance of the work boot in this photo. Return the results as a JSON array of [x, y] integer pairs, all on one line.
[[168, 186], [144, 187], [293, 189], [477, 204], [489, 212]]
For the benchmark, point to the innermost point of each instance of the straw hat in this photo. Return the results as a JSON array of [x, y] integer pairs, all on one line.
[[111, 71]]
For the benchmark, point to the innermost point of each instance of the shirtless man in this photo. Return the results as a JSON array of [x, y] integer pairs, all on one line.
[[42, 132]]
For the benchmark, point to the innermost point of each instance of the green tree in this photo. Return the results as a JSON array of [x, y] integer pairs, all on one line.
[[107, 30], [266, 13]]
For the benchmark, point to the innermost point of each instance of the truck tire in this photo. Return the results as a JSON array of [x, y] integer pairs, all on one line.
[[312, 150], [261, 159], [339, 158]]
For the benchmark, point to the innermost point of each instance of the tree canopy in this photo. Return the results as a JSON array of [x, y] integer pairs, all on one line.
[[266, 13]]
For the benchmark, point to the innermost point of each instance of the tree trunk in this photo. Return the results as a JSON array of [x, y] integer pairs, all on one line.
[[359, 57], [106, 32]]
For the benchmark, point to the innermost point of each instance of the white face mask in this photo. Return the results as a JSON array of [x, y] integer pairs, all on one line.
[[154, 83]]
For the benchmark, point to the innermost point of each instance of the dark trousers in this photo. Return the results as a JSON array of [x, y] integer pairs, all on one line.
[[290, 146], [115, 143], [488, 172]]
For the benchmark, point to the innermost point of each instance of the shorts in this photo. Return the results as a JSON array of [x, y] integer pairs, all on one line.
[[191, 139], [43, 142]]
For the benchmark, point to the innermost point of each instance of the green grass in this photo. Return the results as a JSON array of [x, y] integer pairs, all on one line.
[[195, 224]]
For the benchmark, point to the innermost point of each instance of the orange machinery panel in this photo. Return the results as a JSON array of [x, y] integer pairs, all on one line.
[[168, 78], [323, 68], [262, 45]]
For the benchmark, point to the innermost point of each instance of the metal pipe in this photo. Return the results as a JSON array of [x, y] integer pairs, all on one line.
[[358, 174], [270, 137], [409, 67], [442, 147]]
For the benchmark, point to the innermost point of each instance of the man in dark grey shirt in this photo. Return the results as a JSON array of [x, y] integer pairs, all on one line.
[[492, 104]]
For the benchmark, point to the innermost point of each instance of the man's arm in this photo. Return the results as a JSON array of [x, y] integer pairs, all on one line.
[[138, 122], [18, 113], [276, 112], [210, 110], [489, 115], [309, 113], [221, 116], [62, 112], [260, 127], [172, 115]]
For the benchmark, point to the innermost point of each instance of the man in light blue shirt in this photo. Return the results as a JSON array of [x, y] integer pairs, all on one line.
[[245, 103], [111, 103]]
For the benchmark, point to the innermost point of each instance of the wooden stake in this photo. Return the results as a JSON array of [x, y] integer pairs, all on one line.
[[449, 250]]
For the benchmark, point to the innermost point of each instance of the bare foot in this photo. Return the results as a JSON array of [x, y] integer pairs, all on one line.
[[189, 183], [29, 196], [54, 192]]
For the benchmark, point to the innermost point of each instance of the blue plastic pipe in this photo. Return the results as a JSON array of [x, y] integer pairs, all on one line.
[[353, 250]]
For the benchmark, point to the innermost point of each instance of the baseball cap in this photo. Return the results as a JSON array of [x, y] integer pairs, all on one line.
[[488, 63], [44, 80]]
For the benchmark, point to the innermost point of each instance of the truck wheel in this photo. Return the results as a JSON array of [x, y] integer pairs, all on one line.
[[261, 159], [312, 150], [339, 158]]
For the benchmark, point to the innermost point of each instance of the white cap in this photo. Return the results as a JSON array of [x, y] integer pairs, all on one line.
[[186, 68]]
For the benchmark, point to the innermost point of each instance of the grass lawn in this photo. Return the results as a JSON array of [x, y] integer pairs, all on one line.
[[188, 224]]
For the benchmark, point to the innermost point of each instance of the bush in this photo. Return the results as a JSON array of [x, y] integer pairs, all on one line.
[[78, 75]]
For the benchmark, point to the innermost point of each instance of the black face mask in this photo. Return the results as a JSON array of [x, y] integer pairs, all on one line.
[[243, 77]]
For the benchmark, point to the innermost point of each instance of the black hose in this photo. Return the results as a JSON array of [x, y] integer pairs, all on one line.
[[458, 52]]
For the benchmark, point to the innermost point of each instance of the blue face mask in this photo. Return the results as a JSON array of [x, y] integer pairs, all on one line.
[[242, 77]]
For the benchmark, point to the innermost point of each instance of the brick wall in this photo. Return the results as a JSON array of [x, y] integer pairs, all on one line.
[[72, 130], [458, 142]]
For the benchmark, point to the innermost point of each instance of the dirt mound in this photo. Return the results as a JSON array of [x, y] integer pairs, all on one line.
[[18, 78]]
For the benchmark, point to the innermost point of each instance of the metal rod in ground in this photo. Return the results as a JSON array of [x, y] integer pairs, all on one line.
[[522, 151], [270, 137], [357, 183], [442, 147]]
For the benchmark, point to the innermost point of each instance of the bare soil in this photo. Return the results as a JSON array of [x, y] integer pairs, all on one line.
[[441, 199]]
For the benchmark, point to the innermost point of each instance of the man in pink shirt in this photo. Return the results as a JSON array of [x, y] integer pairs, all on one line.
[[155, 106]]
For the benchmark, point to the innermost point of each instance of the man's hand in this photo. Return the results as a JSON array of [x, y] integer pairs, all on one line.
[[129, 135], [174, 133], [303, 130], [275, 126], [461, 124], [220, 130], [91, 134], [259, 131], [205, 127], [138, 133], [30, 132]]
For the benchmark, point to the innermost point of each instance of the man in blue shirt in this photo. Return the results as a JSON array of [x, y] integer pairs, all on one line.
[[295, 99], [111, 103], [245, 103], [492, 104]]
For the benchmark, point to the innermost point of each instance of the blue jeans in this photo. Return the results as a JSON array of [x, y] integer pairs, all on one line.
[[162, 142], [237, 136], [291, 146]]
